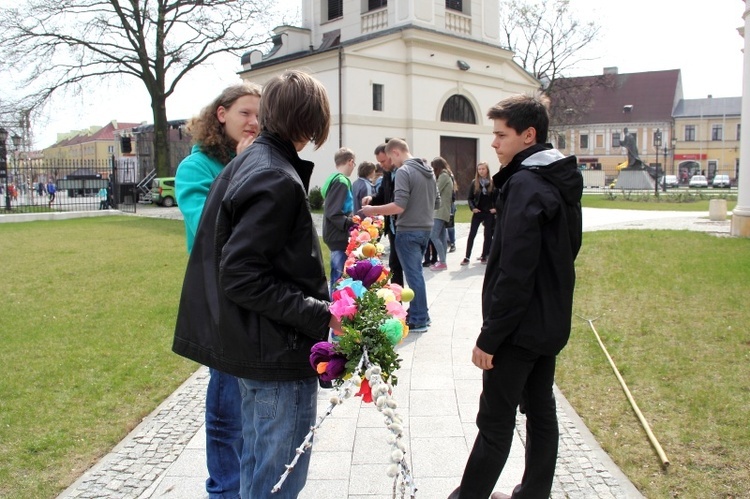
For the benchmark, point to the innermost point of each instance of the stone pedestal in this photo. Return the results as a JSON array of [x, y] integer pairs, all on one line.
[[717, 210], [634, 179]]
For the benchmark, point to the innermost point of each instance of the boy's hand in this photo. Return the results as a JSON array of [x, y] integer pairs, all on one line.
[[481, 359]]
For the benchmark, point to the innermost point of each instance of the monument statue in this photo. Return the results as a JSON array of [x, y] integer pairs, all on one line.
[[634, 160]]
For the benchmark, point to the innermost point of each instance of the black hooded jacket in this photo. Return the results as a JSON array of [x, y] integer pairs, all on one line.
[[255, 295], [527, 297]]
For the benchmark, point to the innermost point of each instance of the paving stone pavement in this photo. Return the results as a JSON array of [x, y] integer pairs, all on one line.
[[438, 393]]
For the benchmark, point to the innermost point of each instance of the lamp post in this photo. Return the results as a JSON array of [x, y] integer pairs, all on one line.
[[657, 145], [4, 165]]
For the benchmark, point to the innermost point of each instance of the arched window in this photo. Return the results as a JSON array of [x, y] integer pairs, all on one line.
[[458, 109]]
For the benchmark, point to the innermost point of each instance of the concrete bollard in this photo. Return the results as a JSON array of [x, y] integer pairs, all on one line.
[[717, 210]]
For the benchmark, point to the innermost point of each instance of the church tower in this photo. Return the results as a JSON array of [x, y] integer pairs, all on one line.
[[426, 71]]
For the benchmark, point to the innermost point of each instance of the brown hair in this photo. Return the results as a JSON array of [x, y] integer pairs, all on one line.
[[477, 187], [295, 107], [399, 144], [365, 169], [521, 112], [439, 164], [208, 132], [343, 156]]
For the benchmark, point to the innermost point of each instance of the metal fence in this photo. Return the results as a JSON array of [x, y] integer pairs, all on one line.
[[66, 185]]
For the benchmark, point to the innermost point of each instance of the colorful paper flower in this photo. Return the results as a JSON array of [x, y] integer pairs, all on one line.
[[393, 330], [343, 307], [327, 363], [364, 391]]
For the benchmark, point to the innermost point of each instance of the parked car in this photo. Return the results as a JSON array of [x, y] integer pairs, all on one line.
[[698, 181], [721, 181], [671, 181], [162, 191]]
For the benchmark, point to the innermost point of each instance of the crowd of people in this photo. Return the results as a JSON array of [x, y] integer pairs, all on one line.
[[255, 297]]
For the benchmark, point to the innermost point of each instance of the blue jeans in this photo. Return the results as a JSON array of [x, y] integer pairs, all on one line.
[[338, 258], [439, 237], [411, 246], [276, 416], [223, 436]]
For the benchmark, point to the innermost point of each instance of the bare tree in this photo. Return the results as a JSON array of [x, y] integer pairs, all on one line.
[[545, 36], [55, 45]]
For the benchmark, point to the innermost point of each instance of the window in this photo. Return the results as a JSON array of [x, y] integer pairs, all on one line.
[[738, 131], [689, 133], [377, 97], [376, 4], [717, 132], [584, 141], [110, 149], [458, 109], [616, 139], [335, 9], [599, 141], [561, 141], [454, 5]]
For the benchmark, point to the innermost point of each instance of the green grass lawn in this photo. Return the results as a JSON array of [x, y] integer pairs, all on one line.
[[672, 311], [88, 317], [87, 324]]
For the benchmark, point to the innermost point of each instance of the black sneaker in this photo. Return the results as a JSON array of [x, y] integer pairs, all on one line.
[[451, 248]]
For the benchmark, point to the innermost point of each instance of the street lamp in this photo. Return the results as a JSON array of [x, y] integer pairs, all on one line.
[[4, 165], [657, 145]]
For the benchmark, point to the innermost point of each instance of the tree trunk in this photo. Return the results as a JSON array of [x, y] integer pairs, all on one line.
[[161, 136]]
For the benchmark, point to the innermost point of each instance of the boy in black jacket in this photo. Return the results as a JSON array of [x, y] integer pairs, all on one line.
[[527, 299]]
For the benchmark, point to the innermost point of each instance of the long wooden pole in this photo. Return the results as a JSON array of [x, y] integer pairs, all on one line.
[[641, 418]]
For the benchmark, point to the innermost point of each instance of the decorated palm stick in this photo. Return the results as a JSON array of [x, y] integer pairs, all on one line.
[[386, 404], [641, 418]]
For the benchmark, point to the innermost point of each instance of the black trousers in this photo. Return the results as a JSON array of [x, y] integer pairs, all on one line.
[[488, 219], [397, 273], [517, 373]]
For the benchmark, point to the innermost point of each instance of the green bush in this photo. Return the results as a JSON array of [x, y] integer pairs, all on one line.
[[316, 198]]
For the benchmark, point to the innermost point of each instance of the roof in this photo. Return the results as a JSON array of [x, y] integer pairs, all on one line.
[[628, 97], [105, 133], [721, 106]]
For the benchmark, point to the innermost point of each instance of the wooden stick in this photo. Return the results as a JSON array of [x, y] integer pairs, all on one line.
[[644, 423]]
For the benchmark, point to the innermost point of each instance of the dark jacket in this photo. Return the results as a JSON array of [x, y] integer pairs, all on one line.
[[478, 200], [338, 204], [527, 297], [255, 295], [385, 195]]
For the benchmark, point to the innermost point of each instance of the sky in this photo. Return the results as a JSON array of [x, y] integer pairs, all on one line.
[[635, 36]]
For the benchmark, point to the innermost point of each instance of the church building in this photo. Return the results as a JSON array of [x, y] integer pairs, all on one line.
[[426, 71]]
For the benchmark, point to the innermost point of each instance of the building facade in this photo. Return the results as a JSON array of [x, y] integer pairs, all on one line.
[[707, 133], [683, 137], [426, 71]]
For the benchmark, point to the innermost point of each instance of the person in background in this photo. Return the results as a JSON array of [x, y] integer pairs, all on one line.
[[415, 199], [452, 222], [527, 300], [51, 190], [384, 195], [255, 296], [223, 129], [102, 195], [338, 205], [439, 234], [363, 186], [378, 179], [482, 195]]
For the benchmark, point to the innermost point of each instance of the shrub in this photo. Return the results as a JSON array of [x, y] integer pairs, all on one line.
[[316, 198]]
